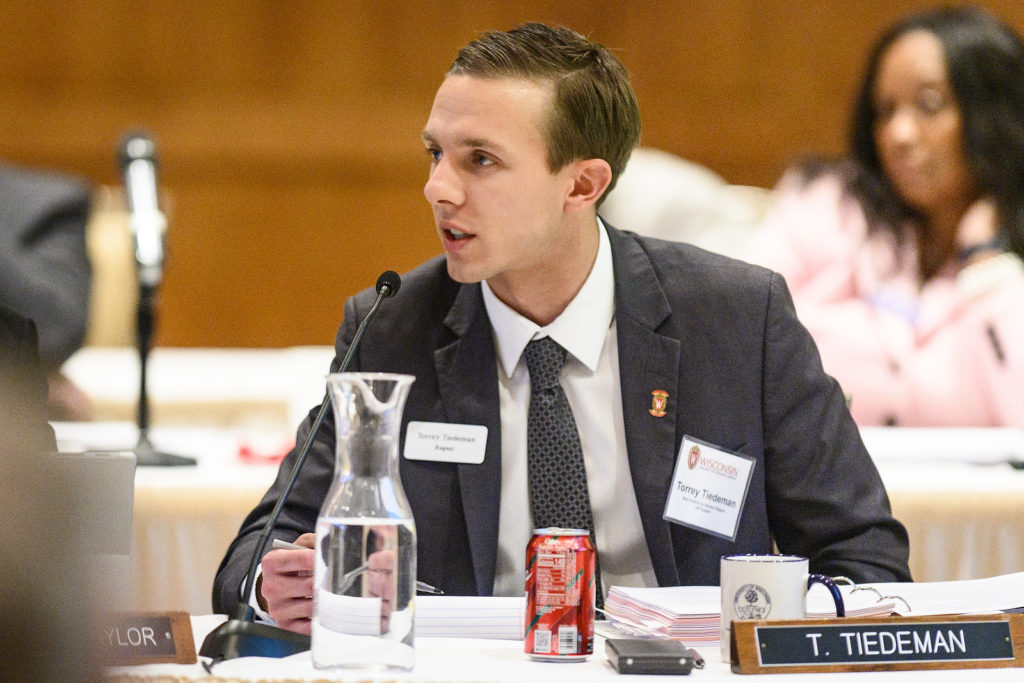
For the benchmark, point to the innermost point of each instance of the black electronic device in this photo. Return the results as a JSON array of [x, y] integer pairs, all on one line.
[[650, 656]]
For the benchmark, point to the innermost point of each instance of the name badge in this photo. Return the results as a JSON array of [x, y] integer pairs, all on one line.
[[444, 442], [709, 488]]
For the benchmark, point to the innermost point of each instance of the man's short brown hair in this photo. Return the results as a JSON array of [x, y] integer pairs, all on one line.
[[595, 113]]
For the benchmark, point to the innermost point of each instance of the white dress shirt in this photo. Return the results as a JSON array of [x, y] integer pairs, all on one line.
[[590, 378]]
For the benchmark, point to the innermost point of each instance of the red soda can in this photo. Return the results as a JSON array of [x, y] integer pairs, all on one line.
[[560, 592]]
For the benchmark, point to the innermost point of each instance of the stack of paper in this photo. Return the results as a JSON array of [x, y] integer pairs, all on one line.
[[451, 616], [692, 613], [1003, 593]]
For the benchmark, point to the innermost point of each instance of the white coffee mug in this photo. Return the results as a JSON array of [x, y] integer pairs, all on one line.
[[767, 587]]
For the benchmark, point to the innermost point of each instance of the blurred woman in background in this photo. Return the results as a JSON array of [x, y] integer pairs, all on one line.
[[904, 260]]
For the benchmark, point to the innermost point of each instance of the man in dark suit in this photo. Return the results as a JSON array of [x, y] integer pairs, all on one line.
[[528, 132]]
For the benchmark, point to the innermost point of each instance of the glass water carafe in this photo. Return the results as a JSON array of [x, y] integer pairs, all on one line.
[[365, 571]]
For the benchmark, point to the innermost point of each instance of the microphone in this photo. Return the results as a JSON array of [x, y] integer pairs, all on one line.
[[137, 157], [240, 636], [148, 224]]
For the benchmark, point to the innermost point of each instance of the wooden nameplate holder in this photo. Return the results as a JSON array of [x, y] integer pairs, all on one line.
[[878, 644], [131, 638]]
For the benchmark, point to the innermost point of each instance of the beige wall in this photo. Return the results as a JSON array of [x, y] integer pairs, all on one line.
[[289, 131]]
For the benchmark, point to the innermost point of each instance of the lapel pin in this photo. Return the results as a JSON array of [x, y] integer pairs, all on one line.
[[659, 402]]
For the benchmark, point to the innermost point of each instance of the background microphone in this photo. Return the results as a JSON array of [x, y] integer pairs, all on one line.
[[137, 157], [148, 224], [240, 636]]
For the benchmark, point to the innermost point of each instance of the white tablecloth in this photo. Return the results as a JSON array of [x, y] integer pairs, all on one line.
[[963, 518], [499, 661]]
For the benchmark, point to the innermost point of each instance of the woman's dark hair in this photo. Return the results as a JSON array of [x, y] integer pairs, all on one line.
[[985, 64]]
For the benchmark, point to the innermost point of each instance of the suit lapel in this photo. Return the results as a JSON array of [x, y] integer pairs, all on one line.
[[468, 383], [648, 363]]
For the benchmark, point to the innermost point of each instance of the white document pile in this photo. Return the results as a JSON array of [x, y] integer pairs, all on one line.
[[692, 613], [1003, 593], [451, 616]]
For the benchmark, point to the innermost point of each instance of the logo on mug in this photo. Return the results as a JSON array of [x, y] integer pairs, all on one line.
[[752, 602]]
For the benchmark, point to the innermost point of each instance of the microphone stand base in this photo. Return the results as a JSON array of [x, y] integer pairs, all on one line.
[[239, 638]]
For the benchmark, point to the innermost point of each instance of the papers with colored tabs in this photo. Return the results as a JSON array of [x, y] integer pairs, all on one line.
[[692, 613], [454, 616]]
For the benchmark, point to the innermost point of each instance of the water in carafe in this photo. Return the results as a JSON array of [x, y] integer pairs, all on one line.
[[365, 570]]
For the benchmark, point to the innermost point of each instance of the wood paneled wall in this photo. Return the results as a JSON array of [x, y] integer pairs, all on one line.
[[289, 131]]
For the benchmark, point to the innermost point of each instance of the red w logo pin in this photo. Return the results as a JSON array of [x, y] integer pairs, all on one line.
[[659, 402]]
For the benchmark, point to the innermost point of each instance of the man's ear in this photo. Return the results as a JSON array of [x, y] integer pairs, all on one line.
[[590, 179]]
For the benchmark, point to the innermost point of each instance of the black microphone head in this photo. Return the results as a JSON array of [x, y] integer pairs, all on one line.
[[388, 283], [136, 145]]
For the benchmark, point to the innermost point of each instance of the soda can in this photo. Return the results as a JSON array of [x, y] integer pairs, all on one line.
[[560, 592]]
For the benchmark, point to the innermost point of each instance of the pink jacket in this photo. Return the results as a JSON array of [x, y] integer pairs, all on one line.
[[949, 353]]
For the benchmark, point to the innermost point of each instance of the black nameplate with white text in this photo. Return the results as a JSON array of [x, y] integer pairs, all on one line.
[[878, 643], [147, 638], [884, 643]]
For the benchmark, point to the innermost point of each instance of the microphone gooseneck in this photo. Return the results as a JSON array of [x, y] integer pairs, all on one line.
[[240, 636]]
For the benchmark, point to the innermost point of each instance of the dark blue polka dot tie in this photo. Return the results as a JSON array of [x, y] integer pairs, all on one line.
[[557, 475]]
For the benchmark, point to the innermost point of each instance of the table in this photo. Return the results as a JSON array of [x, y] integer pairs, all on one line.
[[205, 387], [963, 517], [962, 504], [497, 661], [964, 520], [184, 517]]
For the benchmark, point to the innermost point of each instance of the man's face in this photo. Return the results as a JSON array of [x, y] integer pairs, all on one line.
[[498, 207]]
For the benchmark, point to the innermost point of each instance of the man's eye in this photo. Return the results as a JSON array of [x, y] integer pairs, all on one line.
[[434, 154], [482, 160]]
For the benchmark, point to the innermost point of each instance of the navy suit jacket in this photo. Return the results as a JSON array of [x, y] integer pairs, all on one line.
[[718, 335]]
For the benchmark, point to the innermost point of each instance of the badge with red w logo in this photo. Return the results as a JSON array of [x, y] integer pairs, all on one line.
[[693, 457]]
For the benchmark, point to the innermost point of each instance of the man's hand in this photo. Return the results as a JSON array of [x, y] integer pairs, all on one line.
[[285, 589], [381, 582]]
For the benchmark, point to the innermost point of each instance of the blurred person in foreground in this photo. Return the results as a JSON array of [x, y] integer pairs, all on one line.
[[529, 130], [24, 429], [45, 604], [904, 259], [45, 273]]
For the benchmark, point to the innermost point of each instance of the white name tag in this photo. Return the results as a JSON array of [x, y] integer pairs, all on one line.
[[709, 488], [444, 442]]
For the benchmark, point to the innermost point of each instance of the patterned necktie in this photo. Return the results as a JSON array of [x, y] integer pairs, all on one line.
[[557, 476]]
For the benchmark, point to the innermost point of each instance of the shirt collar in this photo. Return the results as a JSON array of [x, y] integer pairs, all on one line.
[[580, 329]]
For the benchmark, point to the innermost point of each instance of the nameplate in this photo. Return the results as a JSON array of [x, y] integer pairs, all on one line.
[[878, 644], [127, 639]]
